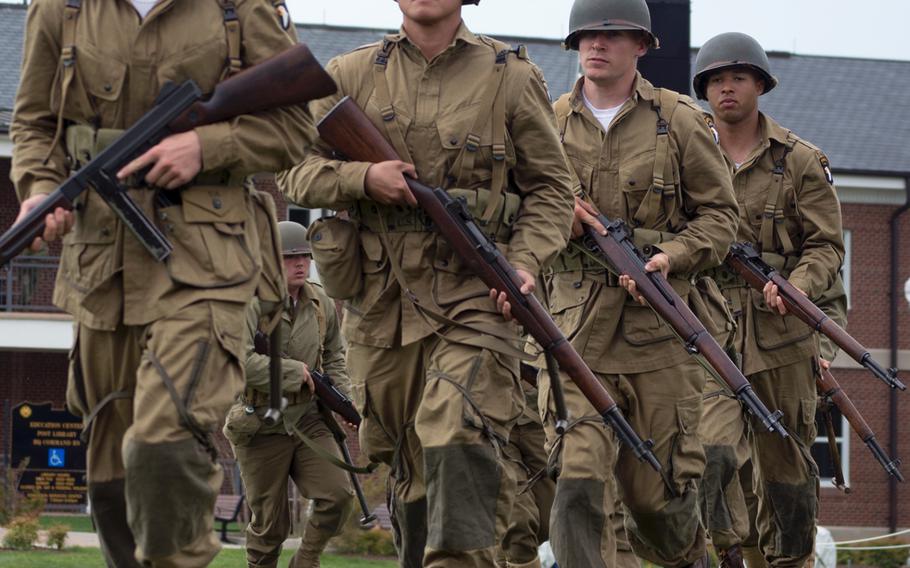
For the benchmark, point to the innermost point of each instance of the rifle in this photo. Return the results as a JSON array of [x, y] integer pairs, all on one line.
[[830, 390], [349, 130], [529, 375], [326, 391], [748, 263], [289, 78], [620, 250], [368, 518]]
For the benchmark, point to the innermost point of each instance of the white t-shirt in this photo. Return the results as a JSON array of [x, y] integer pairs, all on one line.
[[603, 115], [144, 6]]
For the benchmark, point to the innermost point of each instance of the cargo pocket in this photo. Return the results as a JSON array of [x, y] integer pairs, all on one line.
[[569, 293], [241, 425], [374, 267], [88, 257], [209, 232], [641, 326], [336, 251], [454, 281], [688, 457], [772, 330], [710, 307]]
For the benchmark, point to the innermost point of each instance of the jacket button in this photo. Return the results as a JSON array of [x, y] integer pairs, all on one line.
[[216, 203], [631, 182], [108, 88], [105, 232], [453, 141], [444, 263], [576, 284]]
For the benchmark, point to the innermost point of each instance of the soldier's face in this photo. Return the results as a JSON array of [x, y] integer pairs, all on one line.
[[428, 12], [607, 56], [297, 269], [733, 94]]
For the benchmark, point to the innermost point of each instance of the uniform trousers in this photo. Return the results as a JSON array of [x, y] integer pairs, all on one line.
[[663, 405], [439, 412], [150, 396], [266, 463]]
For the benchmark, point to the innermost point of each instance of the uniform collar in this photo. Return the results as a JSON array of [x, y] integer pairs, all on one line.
[[772, 131], [307, 294], [641, 89], [462, 35]]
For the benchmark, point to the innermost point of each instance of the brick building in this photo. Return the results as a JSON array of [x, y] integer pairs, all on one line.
[[826, 100]]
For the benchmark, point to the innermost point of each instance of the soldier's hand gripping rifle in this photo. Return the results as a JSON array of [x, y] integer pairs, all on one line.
[[620, 250], [330, 400], [347, 129], [748, 263], [289, 78], [829, 389]]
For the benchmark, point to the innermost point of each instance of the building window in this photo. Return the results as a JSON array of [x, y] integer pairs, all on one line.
[[299, 215], [845, 269], [822, 454]]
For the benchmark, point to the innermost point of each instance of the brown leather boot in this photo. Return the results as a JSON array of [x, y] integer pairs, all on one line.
[[731, 557]]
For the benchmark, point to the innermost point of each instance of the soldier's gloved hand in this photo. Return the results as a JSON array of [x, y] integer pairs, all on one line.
[[659, 262], [528, 285], [175, 161], [772, 300], [307, 380], [585, 214], [56, 224], [384, 183]]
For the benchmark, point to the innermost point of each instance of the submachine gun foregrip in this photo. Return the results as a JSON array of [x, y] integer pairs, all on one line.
[[348, 130], [748, 263], [289, 78], [620, 250], [829, 388]]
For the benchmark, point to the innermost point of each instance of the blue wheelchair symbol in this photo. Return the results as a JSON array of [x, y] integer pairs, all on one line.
[[56, 457]]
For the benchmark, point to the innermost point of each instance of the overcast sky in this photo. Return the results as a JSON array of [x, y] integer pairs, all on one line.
[[851, 28]]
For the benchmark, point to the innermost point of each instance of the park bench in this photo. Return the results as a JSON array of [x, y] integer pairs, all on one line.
[[227, 510]]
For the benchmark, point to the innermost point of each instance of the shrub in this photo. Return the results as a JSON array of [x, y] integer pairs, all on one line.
[[882, 558], [31, 506], [374, 542], [21, 533], [56, 535]]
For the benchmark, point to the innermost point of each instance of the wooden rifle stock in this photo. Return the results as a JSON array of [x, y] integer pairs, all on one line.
[[347, 129], [829, 388], [748, 263], [618, 248]]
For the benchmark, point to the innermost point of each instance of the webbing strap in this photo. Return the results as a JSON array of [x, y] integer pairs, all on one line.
[[329, 456], [232, 34], [773, 216], [96, 410], [653, 203], [384, 100], [492, 107], [68, 60]]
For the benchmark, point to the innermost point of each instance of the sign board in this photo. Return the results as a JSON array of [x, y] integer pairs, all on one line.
[[49, 439]]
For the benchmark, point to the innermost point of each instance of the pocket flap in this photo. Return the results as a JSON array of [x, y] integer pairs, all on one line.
[[213, 204]]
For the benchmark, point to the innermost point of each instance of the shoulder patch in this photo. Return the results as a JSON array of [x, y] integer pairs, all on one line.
[[819, 155], [826, 166], [709, 120], [284, 17]]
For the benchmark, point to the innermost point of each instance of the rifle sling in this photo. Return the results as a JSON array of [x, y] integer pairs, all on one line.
[[328, 456]]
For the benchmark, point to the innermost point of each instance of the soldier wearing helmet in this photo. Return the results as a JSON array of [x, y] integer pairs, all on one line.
[[790, 212], [644, 155], [269, 455], [433, 363]]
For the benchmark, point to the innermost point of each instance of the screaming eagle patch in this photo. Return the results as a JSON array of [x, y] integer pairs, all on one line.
[[284, 17]]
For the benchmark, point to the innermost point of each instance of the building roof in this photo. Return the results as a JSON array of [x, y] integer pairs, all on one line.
[[854, 109]]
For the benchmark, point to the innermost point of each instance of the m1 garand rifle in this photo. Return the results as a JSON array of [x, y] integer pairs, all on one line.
[[289, 78], [618, 248], [748, 263], [832, 393], [348, 130], [331, 399]]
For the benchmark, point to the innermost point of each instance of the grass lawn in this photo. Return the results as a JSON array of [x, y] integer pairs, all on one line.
[[77, 523], [91, 558]]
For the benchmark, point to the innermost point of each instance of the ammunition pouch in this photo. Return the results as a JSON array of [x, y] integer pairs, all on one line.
[[336, 250], [400, 219], [572, 259], [84, 142]]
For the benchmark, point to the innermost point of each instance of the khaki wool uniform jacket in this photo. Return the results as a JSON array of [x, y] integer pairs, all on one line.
[[121, 63], [436, 104], [695, 215], [309, 334], [805, 230]]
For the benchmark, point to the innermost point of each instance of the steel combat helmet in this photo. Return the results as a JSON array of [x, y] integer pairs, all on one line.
[[732, 49], [293, 239], [597, 15]]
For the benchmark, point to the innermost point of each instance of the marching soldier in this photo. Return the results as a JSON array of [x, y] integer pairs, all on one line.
[[157, 359], [789, 210], [268, 455], [647, 156], [434, 366]]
